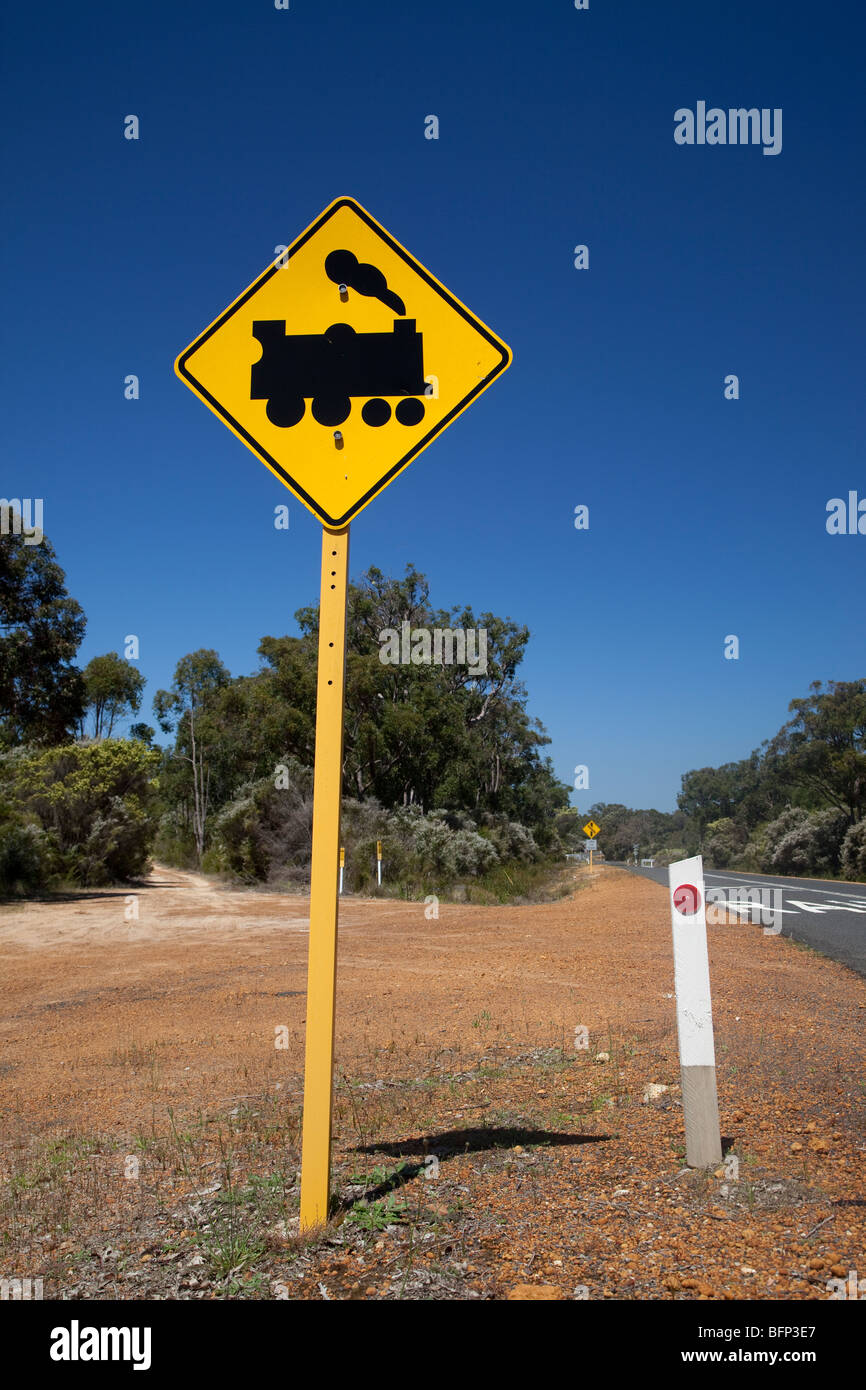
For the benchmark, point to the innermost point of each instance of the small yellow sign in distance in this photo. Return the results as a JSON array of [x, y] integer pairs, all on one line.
[[341, 362], [591, 829]]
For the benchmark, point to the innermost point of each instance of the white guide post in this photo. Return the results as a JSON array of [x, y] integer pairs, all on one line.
[[694, 1013]]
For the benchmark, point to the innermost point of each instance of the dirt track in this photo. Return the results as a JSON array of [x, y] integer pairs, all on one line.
[[108, 1024]]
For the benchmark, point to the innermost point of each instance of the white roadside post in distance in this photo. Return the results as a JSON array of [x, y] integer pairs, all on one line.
[[694, 1013]]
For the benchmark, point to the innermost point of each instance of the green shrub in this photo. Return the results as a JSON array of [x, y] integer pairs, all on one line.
[[473, 854], [174, 843], [94, 803], [813, 846], [723, 841], [447, 854], [265, 834], [514, 841], [215, 861], [853, 858], [25, 859], [266, 831], [765, 839], [115, 846]]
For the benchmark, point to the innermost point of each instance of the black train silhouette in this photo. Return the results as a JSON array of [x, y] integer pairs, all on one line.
[[333, 367]]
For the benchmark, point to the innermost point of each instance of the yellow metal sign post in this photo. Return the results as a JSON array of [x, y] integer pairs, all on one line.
[[322, 966], [336, 367]]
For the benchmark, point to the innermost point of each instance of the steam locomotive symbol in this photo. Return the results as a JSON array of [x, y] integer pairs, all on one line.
[[333, 367]]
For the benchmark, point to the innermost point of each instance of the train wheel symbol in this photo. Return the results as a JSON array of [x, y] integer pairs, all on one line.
[[410, 411], [332, 409], [285, 410], [687, 899], [376, 412]]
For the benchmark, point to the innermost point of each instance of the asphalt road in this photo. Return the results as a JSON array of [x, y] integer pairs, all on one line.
[[829, 916]]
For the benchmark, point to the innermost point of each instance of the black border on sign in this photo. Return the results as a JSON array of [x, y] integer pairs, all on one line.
[[339, 521]]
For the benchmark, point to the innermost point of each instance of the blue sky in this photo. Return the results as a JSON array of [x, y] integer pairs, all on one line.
[[707, 516]]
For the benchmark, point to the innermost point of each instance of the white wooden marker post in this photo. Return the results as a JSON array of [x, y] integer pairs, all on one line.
[[379, 862], [694, 1013]]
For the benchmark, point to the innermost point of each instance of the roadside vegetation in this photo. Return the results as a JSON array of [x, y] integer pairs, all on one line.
[[796, 806], [443, 764]]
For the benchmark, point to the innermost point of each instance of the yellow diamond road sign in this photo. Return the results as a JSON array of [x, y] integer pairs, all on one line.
[[342, 362], [591, 829]]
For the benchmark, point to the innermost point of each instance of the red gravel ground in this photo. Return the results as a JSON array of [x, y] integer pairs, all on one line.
[[151, 1086]]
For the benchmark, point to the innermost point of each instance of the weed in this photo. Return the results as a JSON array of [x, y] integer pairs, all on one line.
[[376, 1216]]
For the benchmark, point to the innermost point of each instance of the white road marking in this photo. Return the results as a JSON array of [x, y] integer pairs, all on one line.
[[754, 907], [733, 879], [826, 907]]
